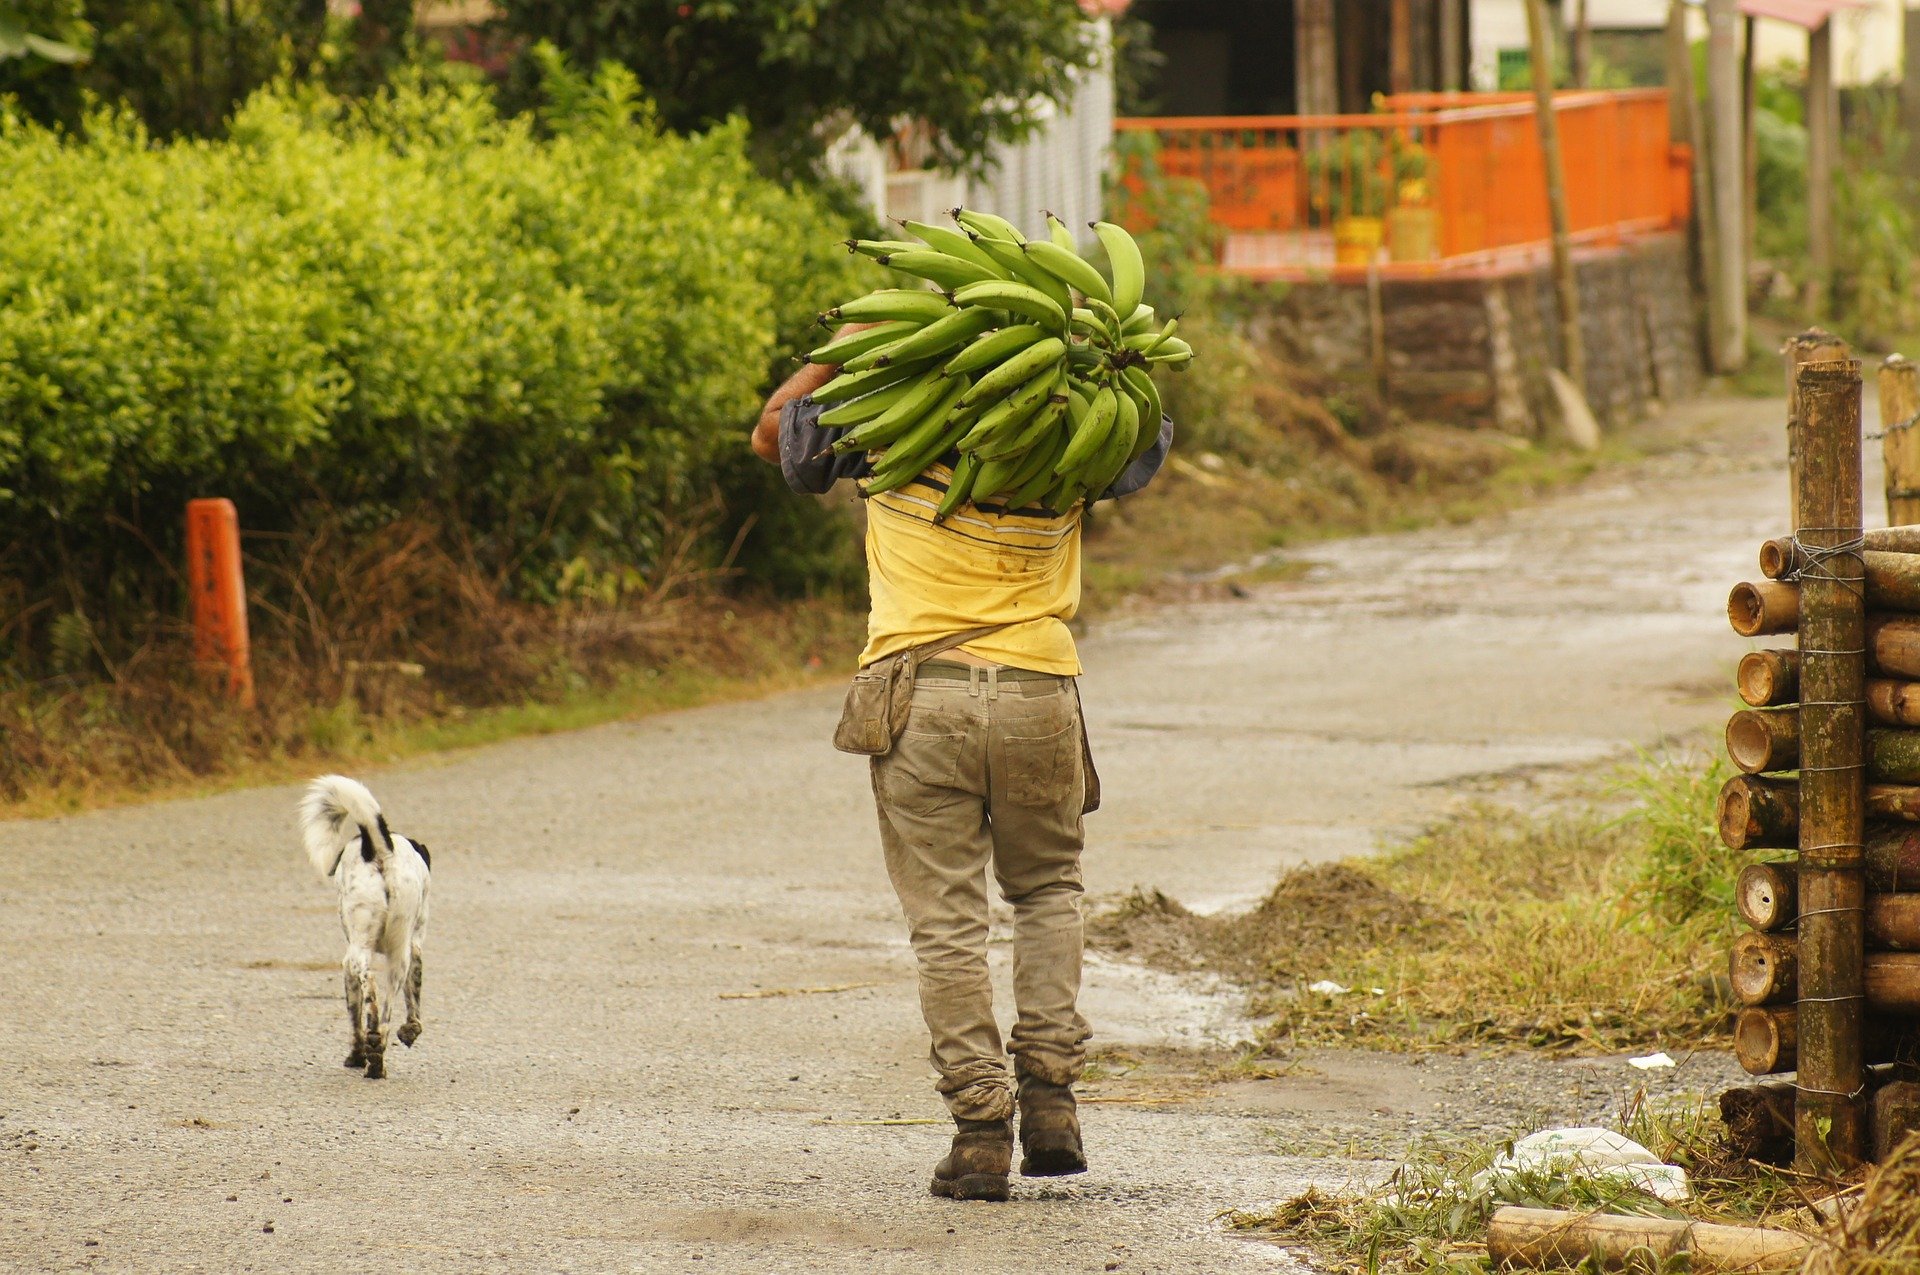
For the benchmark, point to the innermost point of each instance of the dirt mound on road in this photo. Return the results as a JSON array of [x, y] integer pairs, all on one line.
[[1311, 914]]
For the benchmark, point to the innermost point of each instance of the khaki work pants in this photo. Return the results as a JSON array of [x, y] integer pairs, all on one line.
[[988, 774]]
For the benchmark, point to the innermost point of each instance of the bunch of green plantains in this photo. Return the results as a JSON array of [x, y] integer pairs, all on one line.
[[1031, 364]]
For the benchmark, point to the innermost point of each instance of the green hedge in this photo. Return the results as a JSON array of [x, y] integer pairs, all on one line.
[[551, 336]]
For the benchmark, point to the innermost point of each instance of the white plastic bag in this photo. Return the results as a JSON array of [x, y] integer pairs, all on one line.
[[1598, 1154]]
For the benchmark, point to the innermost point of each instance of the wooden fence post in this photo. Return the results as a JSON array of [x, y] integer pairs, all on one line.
[[1829, 1109], [1900, 437], [219, 594], [1727, 303], [1823, 141]]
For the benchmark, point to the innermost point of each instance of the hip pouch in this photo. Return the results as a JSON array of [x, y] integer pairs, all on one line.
[[882, 693]]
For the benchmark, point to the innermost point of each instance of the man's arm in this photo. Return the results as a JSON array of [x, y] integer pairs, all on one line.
[[811, 376], [1141, 472]]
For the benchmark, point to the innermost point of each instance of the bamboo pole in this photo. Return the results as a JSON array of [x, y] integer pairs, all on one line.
[[1766, 678], [1762, 608], [1910, 87], [1452, 47], [1893, 703], [1893, 922], [1893, 584], [1767, 895], [1539, 1239], [1893, 858], [1899, 384], [1763, 740], [1815, 345], [1727, 311], [1823, 137], [1893, 646], [1770, 1039], [1759, 1121], [1755, 812], [1580, 49], [1684, 129], [1566, 284], [1829, 1124], [1750, 148], [1763, 969], [1896, 539]]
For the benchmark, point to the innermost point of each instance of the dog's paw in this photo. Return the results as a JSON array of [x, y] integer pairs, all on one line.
[[408, 1033], [355, 1059], [376, 1068]]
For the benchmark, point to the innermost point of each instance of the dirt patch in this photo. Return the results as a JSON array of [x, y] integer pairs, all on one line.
[[1312, 913]]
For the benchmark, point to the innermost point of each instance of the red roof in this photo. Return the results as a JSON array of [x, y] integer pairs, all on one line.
[[1802, 13]]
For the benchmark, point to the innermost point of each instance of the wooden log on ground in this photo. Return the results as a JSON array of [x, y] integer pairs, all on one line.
[[1543, 1239], [1829, 1117], [1767, 895], [1767, 678], [1759, 1121], [1764, 968], [1757, 608], [1893, 923], [1758, 812], [1765, 739], [1892, 1115]]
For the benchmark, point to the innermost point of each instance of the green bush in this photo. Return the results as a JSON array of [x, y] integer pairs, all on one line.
[[550, 334]]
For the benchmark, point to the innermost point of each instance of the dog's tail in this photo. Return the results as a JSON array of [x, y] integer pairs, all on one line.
[[336, 813]]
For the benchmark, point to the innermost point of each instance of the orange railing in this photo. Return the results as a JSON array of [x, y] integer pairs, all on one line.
[[1429, 182]]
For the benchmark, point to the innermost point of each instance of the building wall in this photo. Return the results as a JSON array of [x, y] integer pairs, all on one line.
[[1867, 42], [1476, 351]]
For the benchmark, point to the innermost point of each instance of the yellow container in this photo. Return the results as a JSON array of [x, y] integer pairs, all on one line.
[[1356, 240]]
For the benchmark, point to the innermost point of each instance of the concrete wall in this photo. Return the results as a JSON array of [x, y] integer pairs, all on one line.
[[1475, 350]]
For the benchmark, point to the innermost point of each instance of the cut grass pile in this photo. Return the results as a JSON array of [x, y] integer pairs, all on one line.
[[1590, 929]]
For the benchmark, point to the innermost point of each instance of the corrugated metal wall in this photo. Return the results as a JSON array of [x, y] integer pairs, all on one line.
[[1060, 167]]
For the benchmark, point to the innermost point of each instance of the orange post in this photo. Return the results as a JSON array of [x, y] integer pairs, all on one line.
[[219, 594]]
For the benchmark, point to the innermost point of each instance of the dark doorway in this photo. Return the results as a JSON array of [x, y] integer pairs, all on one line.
[[1222, 57]]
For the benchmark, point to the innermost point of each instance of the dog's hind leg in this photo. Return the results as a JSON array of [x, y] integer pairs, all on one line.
[[410, 1030], [354, 975], [374, 1035]]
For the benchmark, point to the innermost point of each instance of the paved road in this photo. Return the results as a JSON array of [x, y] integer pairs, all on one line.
[[588, 1097]]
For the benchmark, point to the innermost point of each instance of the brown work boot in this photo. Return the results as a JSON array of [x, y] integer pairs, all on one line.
[[1049, 1130], [977, 1166]]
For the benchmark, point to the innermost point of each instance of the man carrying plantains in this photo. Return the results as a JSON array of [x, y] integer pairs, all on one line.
[[991, 771]]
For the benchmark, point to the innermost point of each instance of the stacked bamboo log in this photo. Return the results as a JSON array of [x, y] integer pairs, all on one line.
[[1829, 752]]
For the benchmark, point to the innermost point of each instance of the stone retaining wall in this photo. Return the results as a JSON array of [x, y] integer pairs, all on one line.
[[1474, 350]]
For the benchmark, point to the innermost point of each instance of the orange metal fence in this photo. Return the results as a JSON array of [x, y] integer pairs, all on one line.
[[1430, 182]]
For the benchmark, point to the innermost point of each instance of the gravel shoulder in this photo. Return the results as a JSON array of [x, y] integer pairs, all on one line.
[[593, 1091]]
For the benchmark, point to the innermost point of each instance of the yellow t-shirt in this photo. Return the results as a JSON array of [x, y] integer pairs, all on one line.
[[977, 568]]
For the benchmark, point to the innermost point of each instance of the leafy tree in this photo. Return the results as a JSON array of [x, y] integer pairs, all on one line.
[[972, 71]]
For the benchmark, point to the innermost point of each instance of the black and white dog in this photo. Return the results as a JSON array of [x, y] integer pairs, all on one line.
[[383, 908]]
